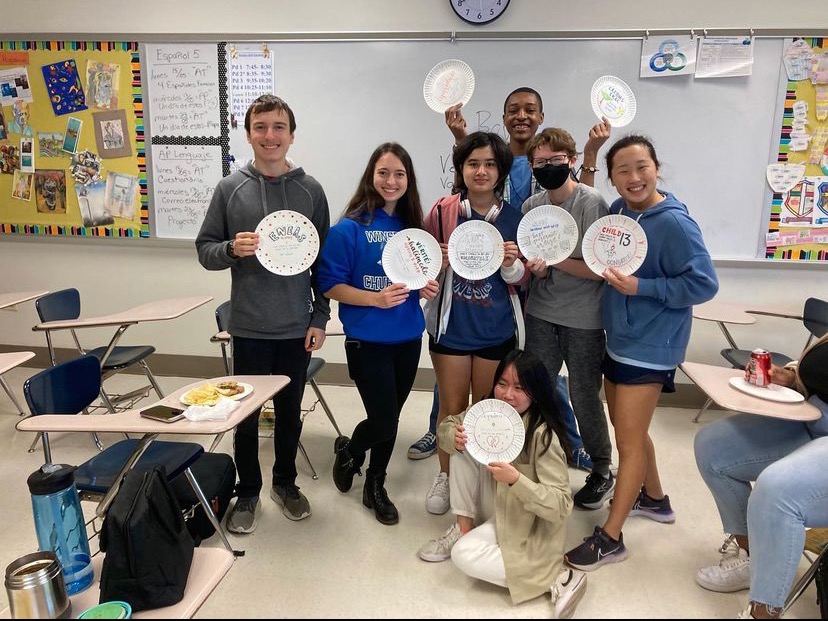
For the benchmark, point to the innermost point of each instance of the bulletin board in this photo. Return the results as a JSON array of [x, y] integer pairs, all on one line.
[[72, 139], [798, 226]]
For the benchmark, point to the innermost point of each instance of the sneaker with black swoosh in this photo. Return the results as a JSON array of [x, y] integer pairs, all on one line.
[[596, 550]]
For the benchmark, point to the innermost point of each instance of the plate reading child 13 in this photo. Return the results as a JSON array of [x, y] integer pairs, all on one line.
[[412, 257], [288, 242], [614, 241], [494, 431]]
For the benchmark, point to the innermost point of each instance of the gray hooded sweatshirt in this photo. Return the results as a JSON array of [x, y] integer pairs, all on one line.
[[265, 305]]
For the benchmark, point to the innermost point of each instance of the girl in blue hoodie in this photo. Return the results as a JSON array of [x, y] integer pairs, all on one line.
[[647, 318], [383, 321]]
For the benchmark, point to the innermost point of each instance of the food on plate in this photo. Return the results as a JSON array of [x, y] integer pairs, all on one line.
[[203, 395], [229, 388]]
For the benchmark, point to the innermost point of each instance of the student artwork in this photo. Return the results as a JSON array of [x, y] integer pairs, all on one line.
[[51, 144], [102, 81], [784, 176], [614, 241], [288, 242], [800, 138], [475, 250], [27, 163], [612, 98], [9, 158], [20, 119], [72, 135], [797, 60], [494, 432], [111, 135], [449, 82], [668, 57], [412, 257], [120, 195], [64, 87], [547, 232], [798, 204], [91, 203], [22, 186], [85, 168], [50, 191], [3, 131], [14, 84]]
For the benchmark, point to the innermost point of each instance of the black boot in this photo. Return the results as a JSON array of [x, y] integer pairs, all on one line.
[[344, 467], [375, 497]]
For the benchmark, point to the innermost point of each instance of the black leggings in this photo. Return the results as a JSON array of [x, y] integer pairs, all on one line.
[[384, 375]]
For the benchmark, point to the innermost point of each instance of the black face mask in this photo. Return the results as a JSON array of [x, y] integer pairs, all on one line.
[[551, 177]]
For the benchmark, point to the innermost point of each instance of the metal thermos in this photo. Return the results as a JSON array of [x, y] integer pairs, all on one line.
[[35, 586]]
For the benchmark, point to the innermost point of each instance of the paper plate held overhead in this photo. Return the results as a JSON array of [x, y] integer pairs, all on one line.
[[449, 82], [412, 257], [288, 242], [494, 432], [475, 250], [613, 98], [614, 241], [547, 232]]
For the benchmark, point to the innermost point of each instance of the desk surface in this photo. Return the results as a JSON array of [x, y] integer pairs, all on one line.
[[13, 359], [158, 310], [724, 312], [16, 297], [714, 382], [130, 421]]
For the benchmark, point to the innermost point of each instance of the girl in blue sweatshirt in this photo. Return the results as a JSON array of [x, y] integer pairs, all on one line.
[[383, 321], [647, 317]]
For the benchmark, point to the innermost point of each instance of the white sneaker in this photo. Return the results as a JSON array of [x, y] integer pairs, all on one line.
[[439, 549], [745, 614], [568, 589], [437, 499], [731, 574]]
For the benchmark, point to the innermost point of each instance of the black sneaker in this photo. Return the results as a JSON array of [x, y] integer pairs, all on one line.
[[595, 491], [596, 550], [344, 467]]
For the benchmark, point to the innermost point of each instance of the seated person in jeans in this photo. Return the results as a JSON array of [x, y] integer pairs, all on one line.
[[786, 460]]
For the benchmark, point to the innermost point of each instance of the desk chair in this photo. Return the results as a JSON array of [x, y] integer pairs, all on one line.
[[816, 544], [65, 305], [316, 364], [69, 388]]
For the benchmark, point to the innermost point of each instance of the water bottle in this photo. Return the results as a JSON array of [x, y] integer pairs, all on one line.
[[59, 523]]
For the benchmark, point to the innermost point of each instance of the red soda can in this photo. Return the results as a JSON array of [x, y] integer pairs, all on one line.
[[757, 371]]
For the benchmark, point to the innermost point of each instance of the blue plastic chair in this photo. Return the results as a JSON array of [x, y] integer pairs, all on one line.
[[69, 388]]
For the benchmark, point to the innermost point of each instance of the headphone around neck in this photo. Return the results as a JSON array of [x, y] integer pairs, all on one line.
[[466, 211]]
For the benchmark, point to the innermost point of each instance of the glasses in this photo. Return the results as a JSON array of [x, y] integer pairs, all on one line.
[[555, 160]]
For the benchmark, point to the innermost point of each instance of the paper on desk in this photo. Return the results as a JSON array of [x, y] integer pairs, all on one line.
[[220, 411]]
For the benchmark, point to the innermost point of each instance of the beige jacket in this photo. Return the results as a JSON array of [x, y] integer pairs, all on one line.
[[530, 515], [800, 387]]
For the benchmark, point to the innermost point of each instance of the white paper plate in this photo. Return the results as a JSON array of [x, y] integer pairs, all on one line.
[[475, 250], [288, 242], [613, 98], [494, 432], [412, 257], [185, 398], [448, 83], [614, 241], [548, 232], [771, 392]]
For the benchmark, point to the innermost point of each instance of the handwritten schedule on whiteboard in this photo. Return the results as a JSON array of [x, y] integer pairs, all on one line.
[[183, 81], [183, 180]]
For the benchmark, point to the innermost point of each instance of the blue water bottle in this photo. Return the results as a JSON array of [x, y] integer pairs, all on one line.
[[59, 523]]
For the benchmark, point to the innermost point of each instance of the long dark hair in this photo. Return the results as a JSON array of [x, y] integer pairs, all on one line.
[[366, 200], [476, 140], [535, 381]]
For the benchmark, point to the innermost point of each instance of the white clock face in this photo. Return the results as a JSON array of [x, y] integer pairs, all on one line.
[[479, 11]]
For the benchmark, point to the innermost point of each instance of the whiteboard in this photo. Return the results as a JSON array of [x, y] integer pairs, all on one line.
[[714, 137]]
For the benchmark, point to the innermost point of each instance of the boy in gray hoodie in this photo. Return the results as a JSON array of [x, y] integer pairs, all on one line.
[[275, 321]]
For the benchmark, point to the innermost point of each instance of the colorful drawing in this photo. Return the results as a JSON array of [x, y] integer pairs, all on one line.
[[72, 135], [91, 203], [22, 186], [85, 168], [51, 144], [799, 203], [9, 159], [102, 84], [20, 123], [3, 131], [64, 87], [121, 192], [50, 191]]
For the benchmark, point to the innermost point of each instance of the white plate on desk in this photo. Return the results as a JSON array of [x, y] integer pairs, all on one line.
[[187, 399], [494, 431], [771, 392]]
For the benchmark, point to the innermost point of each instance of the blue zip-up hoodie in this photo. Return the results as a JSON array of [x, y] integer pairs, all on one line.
[[652, 328], [352, 255]]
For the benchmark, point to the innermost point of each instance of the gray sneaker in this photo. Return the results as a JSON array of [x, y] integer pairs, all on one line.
[[293, 502], [243, 517]]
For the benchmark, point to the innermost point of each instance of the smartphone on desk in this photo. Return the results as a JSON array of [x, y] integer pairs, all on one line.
[[163, 413]]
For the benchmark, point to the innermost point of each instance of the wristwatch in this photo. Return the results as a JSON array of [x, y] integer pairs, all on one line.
[[231, 248], [589, 169]]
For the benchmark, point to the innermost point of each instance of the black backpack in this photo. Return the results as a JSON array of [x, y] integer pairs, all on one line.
[[216, 475], [148, 549]]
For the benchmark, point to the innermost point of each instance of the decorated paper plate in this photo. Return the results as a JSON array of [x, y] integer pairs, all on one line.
[[448, 83], [412, 257], [771, 392], [614, 241], [288, 242], [494, 431], [613, 98], [209, 394], [475, 250], [547, 232]]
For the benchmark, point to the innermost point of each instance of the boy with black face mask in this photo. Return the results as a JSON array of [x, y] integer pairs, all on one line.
[[563, 311]]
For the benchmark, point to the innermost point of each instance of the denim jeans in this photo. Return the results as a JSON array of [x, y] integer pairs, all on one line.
[[787, 464]]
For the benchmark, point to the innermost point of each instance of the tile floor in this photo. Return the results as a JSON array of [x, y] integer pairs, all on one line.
[[341, 562]]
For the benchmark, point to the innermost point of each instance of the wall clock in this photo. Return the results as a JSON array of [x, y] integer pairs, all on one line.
[[477, 12]]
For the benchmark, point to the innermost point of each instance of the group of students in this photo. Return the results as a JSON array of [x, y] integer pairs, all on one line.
[[630, 330]]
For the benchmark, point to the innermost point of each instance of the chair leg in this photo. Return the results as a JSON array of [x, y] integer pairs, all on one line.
[[216, 441], [706, 405], [151, 378], [11, 396], [34, 442], [802, 584], [208, 510], [325, 407], [307, 459]]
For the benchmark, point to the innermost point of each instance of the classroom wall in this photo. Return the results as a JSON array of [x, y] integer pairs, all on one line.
[[114, 275]]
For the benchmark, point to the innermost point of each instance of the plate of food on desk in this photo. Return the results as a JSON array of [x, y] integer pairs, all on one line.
[[210, 394]]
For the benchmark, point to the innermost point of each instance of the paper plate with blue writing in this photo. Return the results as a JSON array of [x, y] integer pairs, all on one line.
[[412, 257], [288, 243], [494, 432], [614, 241]]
